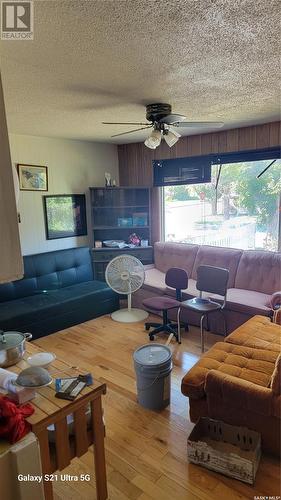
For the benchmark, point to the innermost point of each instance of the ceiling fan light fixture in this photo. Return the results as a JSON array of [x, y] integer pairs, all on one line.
[[148, 144], [153, 141], [171, 138]]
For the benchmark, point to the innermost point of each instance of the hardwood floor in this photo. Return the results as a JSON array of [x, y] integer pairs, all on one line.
[[145, 450]]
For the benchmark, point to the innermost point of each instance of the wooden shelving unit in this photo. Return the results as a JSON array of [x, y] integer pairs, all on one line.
[[117, 212]]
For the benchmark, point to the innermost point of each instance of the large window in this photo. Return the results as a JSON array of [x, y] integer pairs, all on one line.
[[243, 212]]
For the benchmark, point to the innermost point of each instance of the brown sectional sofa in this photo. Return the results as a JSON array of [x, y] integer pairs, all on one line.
[[253, 277], [239, 381]]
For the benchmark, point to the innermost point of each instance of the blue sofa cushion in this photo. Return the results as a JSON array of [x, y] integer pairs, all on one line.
[[42, 306], [50, 271], [58, 291]]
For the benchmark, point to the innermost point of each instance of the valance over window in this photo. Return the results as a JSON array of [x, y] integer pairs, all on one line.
[[177, 171], [197, 169]]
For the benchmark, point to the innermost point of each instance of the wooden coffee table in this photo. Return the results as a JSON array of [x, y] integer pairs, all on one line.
[[51, 410]]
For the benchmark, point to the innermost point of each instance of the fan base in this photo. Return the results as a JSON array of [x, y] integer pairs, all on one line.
[[126, 316]]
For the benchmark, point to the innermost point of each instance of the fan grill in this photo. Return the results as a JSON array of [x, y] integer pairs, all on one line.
[[124, 274]]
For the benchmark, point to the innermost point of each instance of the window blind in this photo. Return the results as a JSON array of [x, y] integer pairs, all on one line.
[[197, 169], [173, 172], [246, 156]]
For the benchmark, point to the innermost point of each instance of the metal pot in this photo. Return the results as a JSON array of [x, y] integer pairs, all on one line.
[[12, 347]]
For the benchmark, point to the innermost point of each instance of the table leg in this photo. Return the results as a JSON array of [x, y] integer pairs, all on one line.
[[45, 461], [98, 431]]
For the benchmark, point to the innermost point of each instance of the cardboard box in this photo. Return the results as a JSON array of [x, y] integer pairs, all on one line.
[[140, 219], [125, 221], [231, 450]]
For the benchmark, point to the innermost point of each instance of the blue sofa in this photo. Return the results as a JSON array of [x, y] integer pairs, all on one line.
[[58, 290]]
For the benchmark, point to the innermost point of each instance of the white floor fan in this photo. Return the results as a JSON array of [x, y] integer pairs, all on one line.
[[125, 275]]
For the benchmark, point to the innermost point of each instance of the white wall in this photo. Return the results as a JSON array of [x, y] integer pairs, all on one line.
[[73, 166]]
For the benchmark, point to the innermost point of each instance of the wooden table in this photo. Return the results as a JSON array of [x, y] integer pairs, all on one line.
[[51, 410]]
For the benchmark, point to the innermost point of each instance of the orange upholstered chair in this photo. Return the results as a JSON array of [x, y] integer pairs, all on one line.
[[238, 381]]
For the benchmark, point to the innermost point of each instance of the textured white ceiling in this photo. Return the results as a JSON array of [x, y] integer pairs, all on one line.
[[103, 60]]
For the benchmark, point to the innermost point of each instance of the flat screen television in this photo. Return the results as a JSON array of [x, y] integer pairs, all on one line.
[[65, 215]]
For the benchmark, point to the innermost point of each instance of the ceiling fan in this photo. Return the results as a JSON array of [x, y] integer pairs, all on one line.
[[161, 119]]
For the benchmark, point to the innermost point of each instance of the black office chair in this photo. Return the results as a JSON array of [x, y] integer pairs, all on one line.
[[175, 278], [213, 280]]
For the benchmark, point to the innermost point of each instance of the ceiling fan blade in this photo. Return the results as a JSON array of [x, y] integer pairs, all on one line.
[[172, 118], [131, 131], [124, 123], [198, 124]]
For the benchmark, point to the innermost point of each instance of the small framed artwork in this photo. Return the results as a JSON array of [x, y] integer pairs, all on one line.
[[65, 215], [32, 177]]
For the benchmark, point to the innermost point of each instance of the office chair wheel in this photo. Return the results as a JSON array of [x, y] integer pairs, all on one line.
[[151, 337], [147, 327]]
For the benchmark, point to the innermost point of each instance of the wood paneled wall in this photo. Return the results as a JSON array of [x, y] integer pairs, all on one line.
[[135, 160]]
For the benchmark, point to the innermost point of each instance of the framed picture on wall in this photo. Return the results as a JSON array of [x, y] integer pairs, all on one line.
[[32, 177], [65, 215]]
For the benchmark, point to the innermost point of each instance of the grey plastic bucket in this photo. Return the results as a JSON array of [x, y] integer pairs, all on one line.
[[153, 366]]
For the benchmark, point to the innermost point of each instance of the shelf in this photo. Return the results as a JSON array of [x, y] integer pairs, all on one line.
[[118, 188], [121, 206], [96, 228], [112, 205], [112, 249]]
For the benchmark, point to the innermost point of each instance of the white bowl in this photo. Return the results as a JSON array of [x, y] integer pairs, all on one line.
[[42, 359]]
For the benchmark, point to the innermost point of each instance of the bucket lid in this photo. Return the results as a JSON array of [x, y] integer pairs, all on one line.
[[152, 354]]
